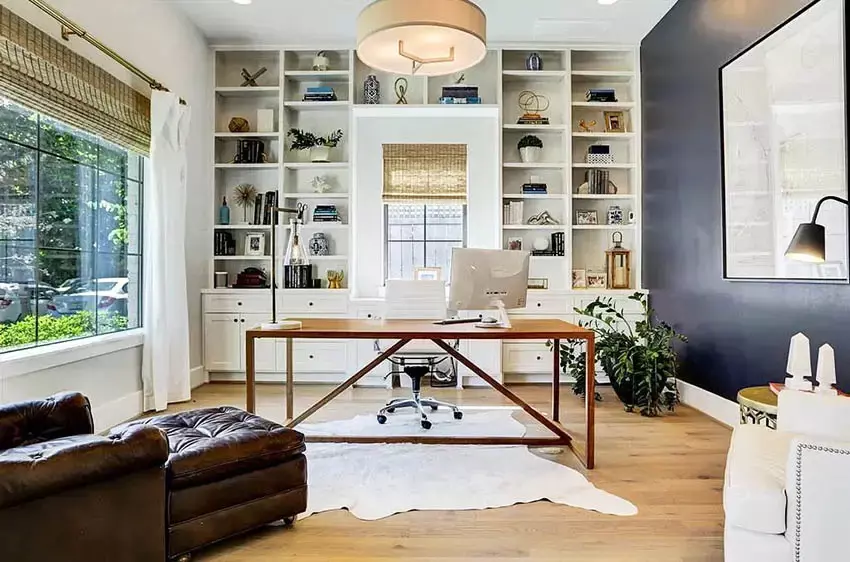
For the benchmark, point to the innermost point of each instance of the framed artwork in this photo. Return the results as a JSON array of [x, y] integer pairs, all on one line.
[[784, 143], [255, 244], [538, 283], [586, 217], [579, 279], [615, 122], [428, 273], [597, 280], [514, 243]]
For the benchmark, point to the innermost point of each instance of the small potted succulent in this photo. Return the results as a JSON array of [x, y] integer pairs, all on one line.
[[530, 148], [319, 147]]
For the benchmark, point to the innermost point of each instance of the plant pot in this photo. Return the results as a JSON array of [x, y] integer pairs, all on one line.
[[320, 154], [530, 154], [623, 388]]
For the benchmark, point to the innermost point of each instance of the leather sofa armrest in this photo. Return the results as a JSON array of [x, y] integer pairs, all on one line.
[[40, 469], [36, 421], [818, 513]]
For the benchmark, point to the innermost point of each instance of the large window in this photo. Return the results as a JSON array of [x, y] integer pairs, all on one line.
[[70, 232], [422, 236]]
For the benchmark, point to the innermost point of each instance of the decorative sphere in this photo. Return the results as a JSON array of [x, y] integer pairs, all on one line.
[[239, 125], [541, 243]]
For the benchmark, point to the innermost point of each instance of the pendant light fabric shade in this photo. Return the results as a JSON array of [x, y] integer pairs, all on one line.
[[808, 244], [422, 37]]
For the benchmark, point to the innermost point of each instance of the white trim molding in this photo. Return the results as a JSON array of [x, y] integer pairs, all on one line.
[[198, 376], [17, 363], [721, 409], [117, 411]]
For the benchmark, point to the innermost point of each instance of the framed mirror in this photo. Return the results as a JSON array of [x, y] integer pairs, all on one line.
[[784, 144]]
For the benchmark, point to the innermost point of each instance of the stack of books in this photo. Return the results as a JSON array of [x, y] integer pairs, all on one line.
[[320, 93], [601, 95], [263, 207], [597, 181], [460, 94], [532, 119], [224, 244], [512, 212], [326, 213], [535, 189]]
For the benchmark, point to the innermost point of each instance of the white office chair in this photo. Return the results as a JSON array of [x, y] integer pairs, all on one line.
[[417, 300]]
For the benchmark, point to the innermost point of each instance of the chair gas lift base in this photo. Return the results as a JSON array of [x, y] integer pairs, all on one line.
[[416, 374]]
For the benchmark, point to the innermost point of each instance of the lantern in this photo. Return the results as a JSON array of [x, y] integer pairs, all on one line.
[[618, 262]]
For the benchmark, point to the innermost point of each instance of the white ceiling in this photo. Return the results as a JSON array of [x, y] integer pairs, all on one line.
[[318, 22]]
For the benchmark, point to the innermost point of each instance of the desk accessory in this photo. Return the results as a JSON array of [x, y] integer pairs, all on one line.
[[275, 324], [533, 105], [251, 79]]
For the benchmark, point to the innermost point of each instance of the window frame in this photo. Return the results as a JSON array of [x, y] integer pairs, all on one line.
[[425, 240], [134, 171]]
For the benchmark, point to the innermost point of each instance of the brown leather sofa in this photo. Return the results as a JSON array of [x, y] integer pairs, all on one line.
[[69, 495]]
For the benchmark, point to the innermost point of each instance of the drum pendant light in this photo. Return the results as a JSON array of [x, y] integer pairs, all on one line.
[[421, 37]]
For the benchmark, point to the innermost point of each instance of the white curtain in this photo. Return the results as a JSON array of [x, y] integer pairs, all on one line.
[[165, 359]]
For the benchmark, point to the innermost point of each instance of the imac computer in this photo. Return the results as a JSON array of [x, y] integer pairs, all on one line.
[[489, 280]]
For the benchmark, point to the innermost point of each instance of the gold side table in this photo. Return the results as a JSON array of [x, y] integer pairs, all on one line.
[[758, 406]]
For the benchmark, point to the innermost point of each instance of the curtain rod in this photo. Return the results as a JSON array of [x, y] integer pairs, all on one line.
[[70, 28]]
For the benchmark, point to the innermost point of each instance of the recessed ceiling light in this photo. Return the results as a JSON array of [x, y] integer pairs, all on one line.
[[603, 2], [246, 2]]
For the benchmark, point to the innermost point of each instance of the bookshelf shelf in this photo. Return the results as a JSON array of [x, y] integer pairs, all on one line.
[[242, 227], [315, 165], [534, 227], [315, 195], [243, 258]]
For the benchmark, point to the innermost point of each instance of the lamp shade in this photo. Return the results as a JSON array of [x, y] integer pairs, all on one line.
[[808, 244], [425, 37]]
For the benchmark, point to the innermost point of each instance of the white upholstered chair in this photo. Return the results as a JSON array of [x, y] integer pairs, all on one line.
[[787, 492]]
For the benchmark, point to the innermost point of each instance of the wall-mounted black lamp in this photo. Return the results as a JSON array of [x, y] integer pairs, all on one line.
[[809, 242]]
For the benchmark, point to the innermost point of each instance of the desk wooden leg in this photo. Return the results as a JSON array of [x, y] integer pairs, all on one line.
[[590, 403], [250, 375], [556, 380], [290, 380]]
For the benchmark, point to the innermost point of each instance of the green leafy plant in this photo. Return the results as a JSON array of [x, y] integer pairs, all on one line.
[[81, 324], [530, 140], [305, 140], [641, 362]]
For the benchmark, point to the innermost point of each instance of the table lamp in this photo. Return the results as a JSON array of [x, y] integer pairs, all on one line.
[[809, 242], [276, 324]]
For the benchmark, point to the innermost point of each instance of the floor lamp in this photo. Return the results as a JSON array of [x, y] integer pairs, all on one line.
[[282, 324], [809, 242]]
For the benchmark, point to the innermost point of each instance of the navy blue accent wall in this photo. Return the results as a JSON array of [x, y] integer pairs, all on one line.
[[739, 331]]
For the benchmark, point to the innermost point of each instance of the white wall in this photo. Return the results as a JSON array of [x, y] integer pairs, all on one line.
[[159, 40], [478, 128]]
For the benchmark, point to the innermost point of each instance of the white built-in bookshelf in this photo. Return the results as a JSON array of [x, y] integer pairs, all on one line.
[[567, 74]]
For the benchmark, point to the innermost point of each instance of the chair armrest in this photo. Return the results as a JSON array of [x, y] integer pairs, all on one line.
[[818, 514], [36, 421], [41, 469]]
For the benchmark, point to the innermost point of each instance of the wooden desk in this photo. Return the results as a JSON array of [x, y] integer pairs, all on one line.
[[407, 330]]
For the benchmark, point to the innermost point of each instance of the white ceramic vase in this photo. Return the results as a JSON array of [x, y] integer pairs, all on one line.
[[320, 154], [530, 154]]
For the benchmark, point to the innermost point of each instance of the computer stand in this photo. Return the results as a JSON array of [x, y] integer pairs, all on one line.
[[502, 319]]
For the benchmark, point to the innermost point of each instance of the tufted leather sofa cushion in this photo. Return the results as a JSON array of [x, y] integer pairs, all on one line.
[[211, 444], [38, 421], [42, 468]]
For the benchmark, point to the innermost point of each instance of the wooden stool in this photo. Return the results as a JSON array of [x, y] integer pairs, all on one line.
[[758, 404]]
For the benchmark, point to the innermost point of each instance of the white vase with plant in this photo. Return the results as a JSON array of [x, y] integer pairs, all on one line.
[[319, 147], [530, 148]]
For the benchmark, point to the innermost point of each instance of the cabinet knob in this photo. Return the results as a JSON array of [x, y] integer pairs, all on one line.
[[538, 358], [309, 304], [311, 357], [236, 320], [238, 304], [539, 305], [243, 320], [368, 316]]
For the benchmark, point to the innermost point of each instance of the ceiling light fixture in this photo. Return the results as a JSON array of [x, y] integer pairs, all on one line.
[[427, 38]]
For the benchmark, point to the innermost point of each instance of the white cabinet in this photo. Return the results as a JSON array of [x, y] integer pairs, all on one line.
[[264, 354], [222, 342], [526, 357]]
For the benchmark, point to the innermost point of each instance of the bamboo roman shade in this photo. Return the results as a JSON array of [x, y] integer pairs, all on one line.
[[39, 72], [425, 173]]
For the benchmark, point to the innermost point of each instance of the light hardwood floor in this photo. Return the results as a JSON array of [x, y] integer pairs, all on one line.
[[671, 468]]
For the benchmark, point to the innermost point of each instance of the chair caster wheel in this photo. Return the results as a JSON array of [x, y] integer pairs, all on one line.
[[382, 419], [390, 410], [458, 415], [434, 408], [426, 424]]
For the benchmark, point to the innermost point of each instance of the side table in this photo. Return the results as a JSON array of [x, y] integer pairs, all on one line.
[[758, 405]]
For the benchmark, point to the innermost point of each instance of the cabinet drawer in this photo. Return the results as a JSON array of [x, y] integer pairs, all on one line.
[[260, 303], [328, 303], [320, 356], [543, 304], [526, 358]]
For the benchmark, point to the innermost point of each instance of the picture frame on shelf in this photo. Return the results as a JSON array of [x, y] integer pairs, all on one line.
[[615, 122], [587, 217], [255, 244], [579, 279], [428, 273], [538, 283], [514, 243], [596, 279]]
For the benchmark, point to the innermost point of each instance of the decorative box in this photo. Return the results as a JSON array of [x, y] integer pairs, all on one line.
[[600, 159]]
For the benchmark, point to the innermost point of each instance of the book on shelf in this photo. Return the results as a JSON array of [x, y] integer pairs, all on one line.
[[535, 189], [319, 97], [224, 244], [258, 209], [597, 181], [532, 121], [512, 212], [557, 243], [269, 202]]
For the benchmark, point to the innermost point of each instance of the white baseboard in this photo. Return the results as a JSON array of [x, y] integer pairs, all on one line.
[[198, 376], [723, 410], [117, 411]]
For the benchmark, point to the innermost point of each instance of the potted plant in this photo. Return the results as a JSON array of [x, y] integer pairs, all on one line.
[[640, 363], [319, 147], [530, 148]]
